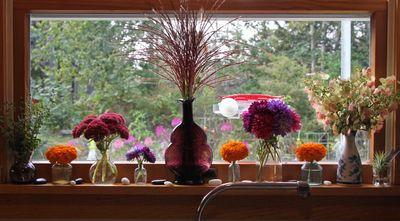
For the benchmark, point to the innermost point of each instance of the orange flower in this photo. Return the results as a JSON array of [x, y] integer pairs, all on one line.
[[310, 152], [234, 150], [61, 154]]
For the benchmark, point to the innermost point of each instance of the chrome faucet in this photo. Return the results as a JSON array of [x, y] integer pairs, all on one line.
[[303, 189]]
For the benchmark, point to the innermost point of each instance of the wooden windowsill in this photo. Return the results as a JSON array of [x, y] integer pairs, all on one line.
[[182, 190]]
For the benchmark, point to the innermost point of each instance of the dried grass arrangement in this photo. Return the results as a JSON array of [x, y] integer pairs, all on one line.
[[181, 44]]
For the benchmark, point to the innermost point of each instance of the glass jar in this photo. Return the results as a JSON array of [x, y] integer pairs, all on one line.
[[22, 171], [103, 171], [61, 173], [381, 176], [312, 173], [140, 175], [234, 172]]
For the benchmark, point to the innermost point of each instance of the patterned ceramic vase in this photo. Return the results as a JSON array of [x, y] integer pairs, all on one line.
[[349, 169]]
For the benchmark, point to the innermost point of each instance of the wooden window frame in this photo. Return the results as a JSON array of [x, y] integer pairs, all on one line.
[[14, 69]]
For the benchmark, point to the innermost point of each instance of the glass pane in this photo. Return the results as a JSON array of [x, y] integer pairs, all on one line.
[[78, 67]]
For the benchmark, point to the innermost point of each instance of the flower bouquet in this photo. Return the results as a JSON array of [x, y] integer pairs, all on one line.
[[311, 171], [232, 152], [102, 130], [140, 154], [348, 105], [268, 120], [61, 156]]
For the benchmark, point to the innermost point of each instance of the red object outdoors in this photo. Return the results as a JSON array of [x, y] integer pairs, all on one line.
[[250, 97]]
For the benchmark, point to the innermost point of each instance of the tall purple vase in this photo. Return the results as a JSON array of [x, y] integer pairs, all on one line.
[[188, 156]]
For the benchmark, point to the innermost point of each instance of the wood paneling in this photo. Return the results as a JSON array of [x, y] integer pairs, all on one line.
[[396, 171], [237, 6]]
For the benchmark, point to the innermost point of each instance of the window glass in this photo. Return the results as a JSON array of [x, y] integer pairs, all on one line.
[[79, 67]]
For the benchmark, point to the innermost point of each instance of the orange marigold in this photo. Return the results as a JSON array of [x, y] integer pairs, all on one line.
[[310, 152], [61, 154], [234, 150]]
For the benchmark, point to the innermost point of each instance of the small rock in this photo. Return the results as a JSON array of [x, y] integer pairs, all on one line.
[[168, 183], [40, 181], [215, 182], [247, 181], [72, 182], [158, 182], [327, 182], [125, 181], [79, 180]]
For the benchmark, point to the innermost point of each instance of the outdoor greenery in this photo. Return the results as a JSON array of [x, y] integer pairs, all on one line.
[[79, 67]]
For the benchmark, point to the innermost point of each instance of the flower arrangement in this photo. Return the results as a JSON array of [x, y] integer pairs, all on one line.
[[102, 129], [310, 152], [141, 154], [63, 154], [181, 45], [353, 104], [234, 151], [267, 120]]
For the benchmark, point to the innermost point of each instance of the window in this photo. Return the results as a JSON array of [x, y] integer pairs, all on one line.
[[77, 68]]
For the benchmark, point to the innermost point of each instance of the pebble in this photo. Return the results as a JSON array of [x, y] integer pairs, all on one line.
[[79, 180], [40, 181], [168, 183], [72, 182], [247, 181], [125, 181], [158, 182], [327, 182], [215, 182]]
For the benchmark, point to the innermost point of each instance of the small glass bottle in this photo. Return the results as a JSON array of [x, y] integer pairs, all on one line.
[[61, 173], [312, 173], [381, 176], [234, 172], [140, 174]]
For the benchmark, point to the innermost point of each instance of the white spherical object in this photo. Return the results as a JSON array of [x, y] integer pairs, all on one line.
[[327, 182], [125, 181], [228, 107], [247, 181], [215, 182], [72, 182], [168, 183]]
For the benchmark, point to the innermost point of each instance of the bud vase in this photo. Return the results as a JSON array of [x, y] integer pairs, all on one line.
[[61, 173], [311, 172], [188, 156], [381, 176], [349, 169], [140, 175], [234, 172], [103, 171], [23, 170]]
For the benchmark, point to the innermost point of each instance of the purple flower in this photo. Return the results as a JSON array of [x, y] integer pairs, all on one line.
[[176, 121], [283, 118], [148, 141], [130, 139], [160, 130], [118, 144], [72, 143], [141, 153], [226, 127]]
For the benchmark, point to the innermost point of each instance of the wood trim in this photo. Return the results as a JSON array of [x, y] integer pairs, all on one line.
[[396, 68], [379, 62], [237, 6], [158, 202], [290, 171]]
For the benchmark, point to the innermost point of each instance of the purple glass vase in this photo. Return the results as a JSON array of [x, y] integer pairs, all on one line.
[[188, 156]]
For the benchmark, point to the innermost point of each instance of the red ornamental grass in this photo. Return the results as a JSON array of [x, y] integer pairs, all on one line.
[[180, 44]]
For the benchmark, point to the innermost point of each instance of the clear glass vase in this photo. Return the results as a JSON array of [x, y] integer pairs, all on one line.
[[234, 172], [381, 176], [103, 171], [269, 169], [311, 172], [140, 175], [22, 171], [61, 173]]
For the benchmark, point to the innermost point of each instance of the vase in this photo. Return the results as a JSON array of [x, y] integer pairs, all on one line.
[[234, 172], [311, 172], [140, 175], [22, 171], [349, 170], [381, 176], [188, 156], [61, 173], [269, 166], [103, 171]]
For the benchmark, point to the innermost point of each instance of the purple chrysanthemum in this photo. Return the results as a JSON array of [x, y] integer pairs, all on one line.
[[282, 115], [141, 153]]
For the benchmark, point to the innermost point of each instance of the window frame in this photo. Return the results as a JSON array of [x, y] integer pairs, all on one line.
[[15, 83]]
